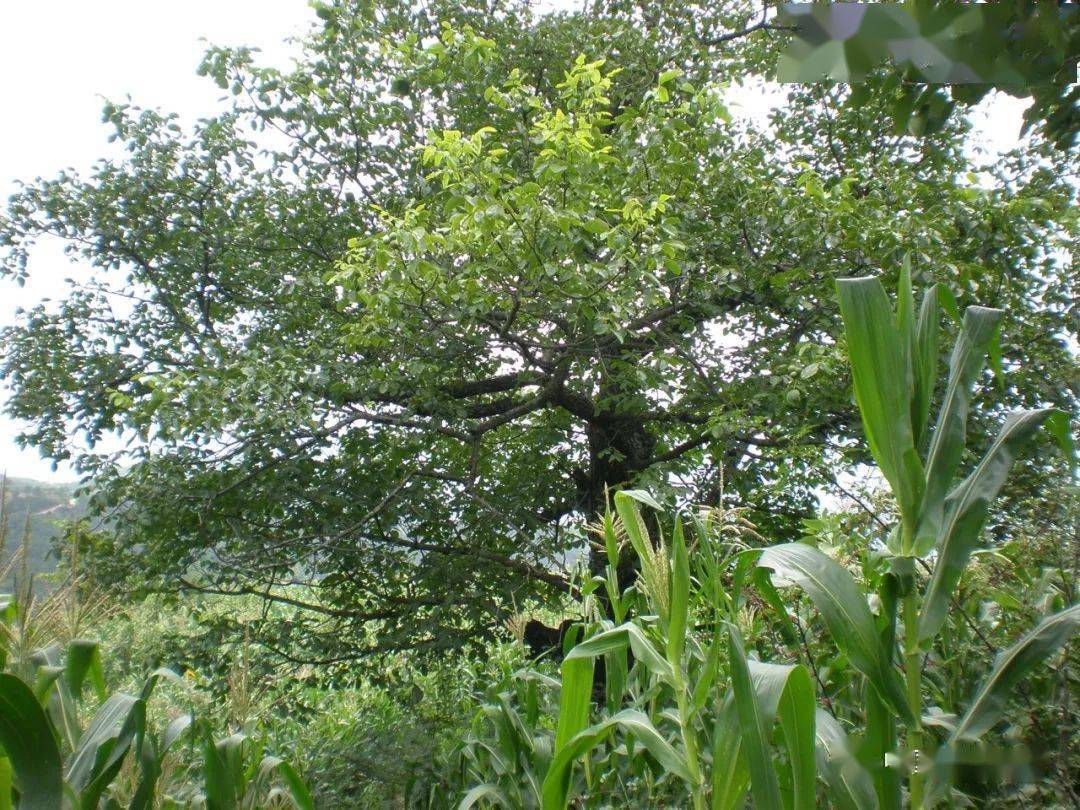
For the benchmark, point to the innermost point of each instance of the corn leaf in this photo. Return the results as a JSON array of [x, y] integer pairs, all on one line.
[[556, 789], [880, 740], [297, 790], [883, 387], [843, 607], [30, 746], [950, 432], [680, 596], [618, 638], [849, 784], [966, 509], [730, 774], [84, 658], [924, 364], [764, 786], [785, 691], [484, 792], [1012, 666]]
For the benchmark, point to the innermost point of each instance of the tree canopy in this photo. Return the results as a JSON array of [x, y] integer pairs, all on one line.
[[390, 324]]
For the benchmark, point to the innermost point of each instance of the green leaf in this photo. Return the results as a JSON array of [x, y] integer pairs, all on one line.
[[103, 745], [965, 513], [924, 364], [30, 746], [219, 784], [730, 773], [298, 791], [787, 691], [883, 387], [879, 741], [680, 596], [950, 432], [617, 638], [6, 784], [1010, 667], [484, 792], [557, 782], [849, 784], [843, 607], [84, 658], [764, 786], [577, 676]]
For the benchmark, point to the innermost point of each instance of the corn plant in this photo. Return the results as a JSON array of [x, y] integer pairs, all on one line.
[[49, 760], [688, 716]]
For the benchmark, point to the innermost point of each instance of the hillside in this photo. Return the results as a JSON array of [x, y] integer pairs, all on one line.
[[45, 504]]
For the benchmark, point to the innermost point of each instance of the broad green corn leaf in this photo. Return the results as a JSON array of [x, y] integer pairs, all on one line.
[[575, 695], [843, 607], [641, 496], [710, 668], [30, 746], [297, 790], [966, 509], [83, 659], [850, 786], [556, 789], [764, 786], [924, 363], [219, 783], [485, 792], [111, 755], [45, 678], [1012, 666], [103, 746], [617, 638], [785, 691], [59, 702], [950, 432], [6, 784], [883, 387], [879, 741], [730, 774]]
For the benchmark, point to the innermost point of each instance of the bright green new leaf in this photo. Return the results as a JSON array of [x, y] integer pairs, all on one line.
[[883, 387]]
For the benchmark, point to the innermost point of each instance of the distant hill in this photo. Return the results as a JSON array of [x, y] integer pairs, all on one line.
[[45, 503]]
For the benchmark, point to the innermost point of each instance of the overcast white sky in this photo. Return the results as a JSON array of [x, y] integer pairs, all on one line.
[[59, 59]]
